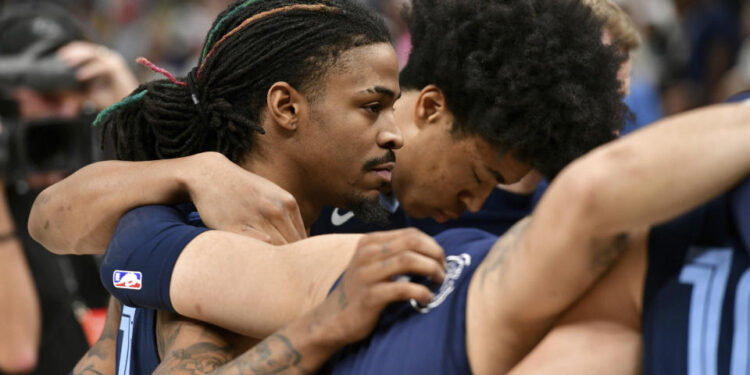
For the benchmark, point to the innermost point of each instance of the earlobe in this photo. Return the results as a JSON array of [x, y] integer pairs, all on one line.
[[284, 105], [431, 106]]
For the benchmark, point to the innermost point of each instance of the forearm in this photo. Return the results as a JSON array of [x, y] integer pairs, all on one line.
[[101, 357], [192, 347], [295, 278], [664, 170], [299, 348], [19, 306], [19, 311], [78, 215]]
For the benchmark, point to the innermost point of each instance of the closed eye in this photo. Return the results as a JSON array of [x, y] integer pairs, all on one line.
[[373, 107], [476, 176]]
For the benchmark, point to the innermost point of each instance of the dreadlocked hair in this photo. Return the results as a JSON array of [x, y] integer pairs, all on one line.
[[531, 77], [251, 45]]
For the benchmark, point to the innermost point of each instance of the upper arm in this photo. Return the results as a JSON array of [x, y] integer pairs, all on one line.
[[533, 273], [146, 243], [602, 328], [557, 253]]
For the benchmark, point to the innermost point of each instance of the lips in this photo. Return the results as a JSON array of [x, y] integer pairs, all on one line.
[[384, 170], [443, 216]]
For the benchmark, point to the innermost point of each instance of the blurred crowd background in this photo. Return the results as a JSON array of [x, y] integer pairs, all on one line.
[[694, 52]]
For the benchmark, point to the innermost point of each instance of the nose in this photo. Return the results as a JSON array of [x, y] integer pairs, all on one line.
[[474, 199], [390, 135]]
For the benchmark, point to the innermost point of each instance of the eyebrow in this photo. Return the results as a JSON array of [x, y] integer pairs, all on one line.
[[496, 174], [384, 91]]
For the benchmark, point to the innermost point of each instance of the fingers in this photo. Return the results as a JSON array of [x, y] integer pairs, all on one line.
[[92, 69], [77, 53], [286, 219], [402, 263], [258, 235], [383, 294], [378, 246]]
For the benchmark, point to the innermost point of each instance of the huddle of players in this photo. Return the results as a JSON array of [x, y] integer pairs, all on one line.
[[473, 122]]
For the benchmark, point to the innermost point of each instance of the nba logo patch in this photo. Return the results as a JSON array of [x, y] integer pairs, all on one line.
[[127, 279]]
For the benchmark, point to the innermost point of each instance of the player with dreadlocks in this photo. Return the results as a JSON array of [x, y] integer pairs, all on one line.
[[468, 113], [477, 244], [296, 91]]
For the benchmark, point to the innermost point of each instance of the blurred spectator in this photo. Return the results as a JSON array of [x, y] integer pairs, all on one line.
[[51, 83], [713, 36], [738, 79]]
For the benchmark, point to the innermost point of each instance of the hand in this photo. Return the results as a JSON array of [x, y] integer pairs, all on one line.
[[233, 199], [368, 286], [108, 76]]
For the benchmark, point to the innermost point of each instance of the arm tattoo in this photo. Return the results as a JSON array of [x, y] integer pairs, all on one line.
[[196, 349], [275, 355], [199, 358], [605, 255], [504, 246], [100, 359]]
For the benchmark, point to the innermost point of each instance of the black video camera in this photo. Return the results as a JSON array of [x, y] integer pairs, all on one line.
[[29, 37], [53, 144]]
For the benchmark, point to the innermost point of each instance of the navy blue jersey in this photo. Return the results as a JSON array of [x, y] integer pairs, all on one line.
[[443, 319], [413, 339], [696, 308], [501, 210], [137, 352], [137, 268]]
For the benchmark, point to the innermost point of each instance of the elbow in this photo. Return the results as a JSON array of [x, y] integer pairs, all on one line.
[[39, 221], [42, 227], [579, 188], [587, 187]]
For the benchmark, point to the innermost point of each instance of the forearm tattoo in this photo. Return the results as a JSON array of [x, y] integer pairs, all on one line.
[[275, 355], [100, 359]]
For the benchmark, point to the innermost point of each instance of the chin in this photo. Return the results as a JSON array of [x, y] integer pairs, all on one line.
[[412, 210]]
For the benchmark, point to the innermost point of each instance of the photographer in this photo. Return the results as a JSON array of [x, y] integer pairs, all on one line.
[[52, 83]]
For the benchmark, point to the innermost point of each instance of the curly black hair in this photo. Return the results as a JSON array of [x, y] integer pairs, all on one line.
[[531, 77], [251, 45]]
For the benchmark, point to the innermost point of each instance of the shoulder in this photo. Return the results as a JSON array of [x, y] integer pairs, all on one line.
[[147, 223]]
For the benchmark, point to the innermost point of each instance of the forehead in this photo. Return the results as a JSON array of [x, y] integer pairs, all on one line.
[[362, 68], [502, 165]]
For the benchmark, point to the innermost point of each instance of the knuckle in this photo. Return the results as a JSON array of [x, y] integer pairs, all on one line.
[[412, 232], [288, 202], [274, 212]]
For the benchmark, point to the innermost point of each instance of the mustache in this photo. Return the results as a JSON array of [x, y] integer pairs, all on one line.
[[389, 157]]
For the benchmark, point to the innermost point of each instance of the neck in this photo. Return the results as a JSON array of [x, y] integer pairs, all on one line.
[[279, 171]]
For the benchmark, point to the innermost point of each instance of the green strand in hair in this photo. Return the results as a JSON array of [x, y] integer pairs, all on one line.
[[218, 24], [130, 99]]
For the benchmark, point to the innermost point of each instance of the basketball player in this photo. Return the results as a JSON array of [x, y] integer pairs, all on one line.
[[497, 296]]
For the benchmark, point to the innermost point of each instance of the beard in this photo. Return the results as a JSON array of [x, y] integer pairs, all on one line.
[[369, 210]]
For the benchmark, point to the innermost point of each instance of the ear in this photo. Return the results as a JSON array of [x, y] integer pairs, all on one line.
[[285, 105], [431, 107]]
